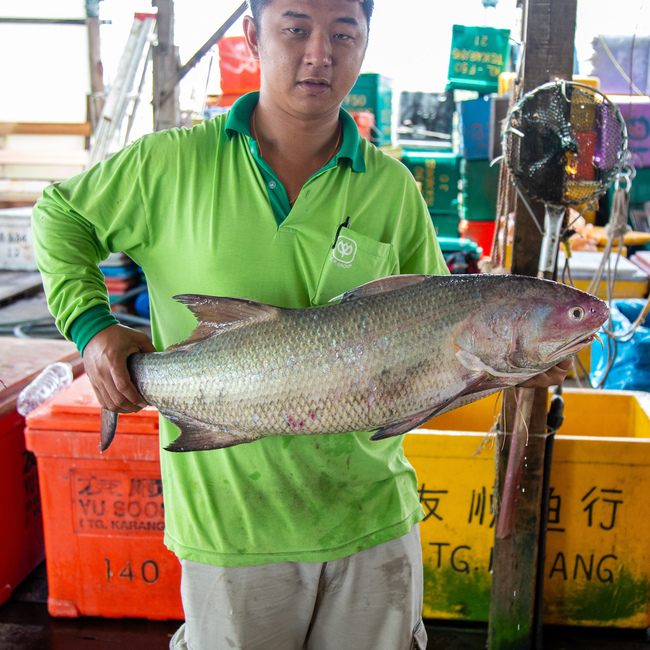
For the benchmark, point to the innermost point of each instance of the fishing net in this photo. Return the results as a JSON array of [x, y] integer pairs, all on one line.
[[564, 143]]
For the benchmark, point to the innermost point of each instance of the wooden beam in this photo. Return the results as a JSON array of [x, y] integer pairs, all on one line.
[[45, 128], [549, 34], [201, 52], [166, 114], [96, 70], [43, 158]]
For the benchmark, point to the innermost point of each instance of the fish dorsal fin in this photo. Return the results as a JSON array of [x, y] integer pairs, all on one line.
[[383, 285], [216, 315]]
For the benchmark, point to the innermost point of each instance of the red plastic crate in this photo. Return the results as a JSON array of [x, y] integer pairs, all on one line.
[[21, 542], [480, 232], [103, 514]]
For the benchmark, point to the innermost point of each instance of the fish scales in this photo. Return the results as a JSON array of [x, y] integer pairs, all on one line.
[[272, 372], [389, 355]]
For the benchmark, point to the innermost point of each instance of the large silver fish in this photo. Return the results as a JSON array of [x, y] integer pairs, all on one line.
[[389, 356]]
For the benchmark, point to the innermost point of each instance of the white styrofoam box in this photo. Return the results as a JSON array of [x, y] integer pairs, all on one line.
[[584, 264], [16, 246]]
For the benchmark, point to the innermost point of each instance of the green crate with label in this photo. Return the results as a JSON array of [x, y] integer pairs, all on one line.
[[438, 177], [373, 93]]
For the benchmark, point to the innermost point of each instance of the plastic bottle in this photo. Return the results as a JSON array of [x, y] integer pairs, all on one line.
[[49, 382]]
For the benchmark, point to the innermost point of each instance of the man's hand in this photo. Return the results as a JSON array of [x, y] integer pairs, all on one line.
[[552, 377], [105, 358]]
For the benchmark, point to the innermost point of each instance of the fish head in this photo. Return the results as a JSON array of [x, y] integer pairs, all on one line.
[[569, 324], [553, 323], [531, 326]]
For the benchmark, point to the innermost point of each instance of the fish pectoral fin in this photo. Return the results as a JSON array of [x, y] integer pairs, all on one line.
[[198, 436], [382, 285], [419, 419], [216, 315], [108, 421], [473, 363]]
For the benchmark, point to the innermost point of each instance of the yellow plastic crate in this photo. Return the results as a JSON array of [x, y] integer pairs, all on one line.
[[597, 569]]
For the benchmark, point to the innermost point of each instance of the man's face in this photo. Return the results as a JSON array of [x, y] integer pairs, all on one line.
[[310, 52]]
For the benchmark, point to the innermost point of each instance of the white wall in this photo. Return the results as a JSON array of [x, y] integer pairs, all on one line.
[[44, 76]]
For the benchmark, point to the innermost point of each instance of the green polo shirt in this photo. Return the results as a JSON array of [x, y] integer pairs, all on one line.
[[196, 210]]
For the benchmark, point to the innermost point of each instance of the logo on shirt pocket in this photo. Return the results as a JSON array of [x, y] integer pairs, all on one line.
[[345, 250]]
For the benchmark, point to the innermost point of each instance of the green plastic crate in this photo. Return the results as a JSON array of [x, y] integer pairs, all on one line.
[[478, 56], [480, 190], [373, 93], [438, 175], [445, 223]]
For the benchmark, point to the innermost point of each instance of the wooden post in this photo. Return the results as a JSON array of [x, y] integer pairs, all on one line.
[[549, 35], [95, 63], [166, 113]]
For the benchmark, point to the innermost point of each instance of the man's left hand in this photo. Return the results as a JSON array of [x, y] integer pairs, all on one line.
[[552, 377]]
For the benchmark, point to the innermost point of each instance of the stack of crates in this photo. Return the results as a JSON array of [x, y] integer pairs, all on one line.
[[373, 93], [479, 179], [438, 176]]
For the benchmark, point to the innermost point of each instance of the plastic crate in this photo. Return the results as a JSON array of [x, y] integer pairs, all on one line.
[[21, 542], [373, 93], [240, 72], [474, 116], [480, 232], [478, 56], [103, 514], [597, 567], [445, 224], [438, 176], [480, 189]]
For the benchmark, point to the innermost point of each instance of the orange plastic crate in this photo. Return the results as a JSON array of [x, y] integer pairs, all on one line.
[[103, 514], [240, 72]]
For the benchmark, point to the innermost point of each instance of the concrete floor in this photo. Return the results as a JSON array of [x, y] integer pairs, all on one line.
[[26, 625]]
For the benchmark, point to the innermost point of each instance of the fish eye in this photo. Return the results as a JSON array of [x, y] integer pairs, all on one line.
[[576, 314]]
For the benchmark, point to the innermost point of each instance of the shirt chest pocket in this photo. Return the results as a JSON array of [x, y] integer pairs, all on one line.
[[353, 260]]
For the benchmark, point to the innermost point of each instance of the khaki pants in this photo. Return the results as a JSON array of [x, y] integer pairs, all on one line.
[[369, 601]]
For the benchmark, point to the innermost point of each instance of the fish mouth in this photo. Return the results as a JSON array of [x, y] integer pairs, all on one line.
[[573, 346]]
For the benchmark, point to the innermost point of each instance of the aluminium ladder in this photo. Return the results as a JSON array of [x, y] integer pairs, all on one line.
[[136, 54]]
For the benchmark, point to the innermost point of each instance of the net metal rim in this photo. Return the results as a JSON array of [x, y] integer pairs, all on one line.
[[598, 187]]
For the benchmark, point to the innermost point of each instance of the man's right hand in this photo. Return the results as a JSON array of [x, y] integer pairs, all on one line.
[[105, 358]]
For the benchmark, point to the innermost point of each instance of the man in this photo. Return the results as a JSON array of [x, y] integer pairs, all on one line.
[[289, 542]]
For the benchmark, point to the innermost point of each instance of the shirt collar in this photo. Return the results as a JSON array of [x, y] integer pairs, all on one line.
[[239, 116]]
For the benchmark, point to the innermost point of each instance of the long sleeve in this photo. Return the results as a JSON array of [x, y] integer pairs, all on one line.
[[75, 225]]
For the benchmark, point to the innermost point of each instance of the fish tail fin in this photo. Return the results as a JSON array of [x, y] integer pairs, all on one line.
[[107, 430]]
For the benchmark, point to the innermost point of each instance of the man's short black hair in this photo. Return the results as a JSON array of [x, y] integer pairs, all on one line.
[[257, 6]]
